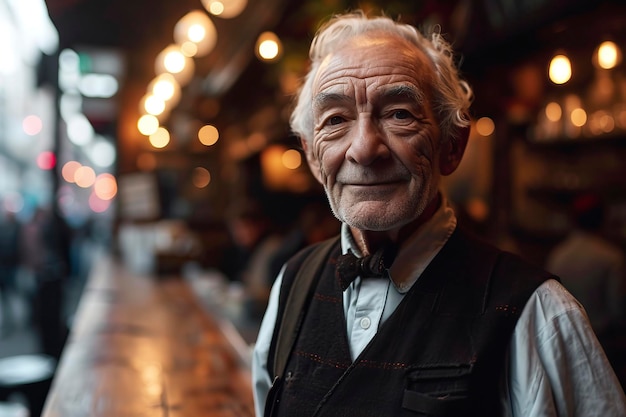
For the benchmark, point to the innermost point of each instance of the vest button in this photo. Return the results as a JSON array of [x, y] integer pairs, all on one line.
[[365, 323]]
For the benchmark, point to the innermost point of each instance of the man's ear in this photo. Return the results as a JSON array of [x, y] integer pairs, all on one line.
[[313, 162], [452, 151]]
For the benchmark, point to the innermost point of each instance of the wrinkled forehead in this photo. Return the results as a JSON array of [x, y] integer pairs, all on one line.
[[375, 54]]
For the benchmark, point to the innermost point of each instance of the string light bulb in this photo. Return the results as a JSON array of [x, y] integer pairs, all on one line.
[[195, 33]]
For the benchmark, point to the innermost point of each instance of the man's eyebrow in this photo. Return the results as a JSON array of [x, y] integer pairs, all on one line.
[[325, 99], [405, 92]]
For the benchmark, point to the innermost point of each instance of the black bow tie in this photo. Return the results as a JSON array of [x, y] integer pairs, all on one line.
[[372, 266]]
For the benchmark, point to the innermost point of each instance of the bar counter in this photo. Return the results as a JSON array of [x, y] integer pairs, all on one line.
[[145, 346]]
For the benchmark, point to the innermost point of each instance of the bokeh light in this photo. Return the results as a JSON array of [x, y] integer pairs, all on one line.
[[32, 125], [560, 70], [160, 138], [201, 177], [46, 160], [292, 159], [226, 9], [578, 117], [79, 130], [195, 29], [553, 111], [84, 176], [174, 61], [98, 205], [485, 126], [148, 124], [153, 105], [268, 46], [68, 171], [208, 135], [608, 55], [105, 186]]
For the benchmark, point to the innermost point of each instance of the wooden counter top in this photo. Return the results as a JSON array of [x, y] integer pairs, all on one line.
[[145, 347]]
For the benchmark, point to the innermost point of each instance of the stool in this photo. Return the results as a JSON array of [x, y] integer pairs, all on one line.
[[27, 375]]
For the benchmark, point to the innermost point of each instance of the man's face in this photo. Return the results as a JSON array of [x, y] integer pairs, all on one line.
[[376, 139]]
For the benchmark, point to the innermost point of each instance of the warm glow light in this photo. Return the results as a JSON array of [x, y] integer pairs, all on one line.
[[189, 48], [601, 122], [608, 123], [105, 187], [215, 7], [196, 34], [84, 176], [208, 135], [174, 61], [201, 177], [553, 111], [164, 86], [68, 172], [608, 55], [147, 124], [46, 160], [292, 159], [560, 70], [268, 49], [226, 9], [485, 126], [153, 105], [578, 117], [32, 125], [160, 138], [268, 46]]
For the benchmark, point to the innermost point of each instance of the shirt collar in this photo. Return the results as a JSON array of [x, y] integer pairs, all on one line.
[[417, 250]]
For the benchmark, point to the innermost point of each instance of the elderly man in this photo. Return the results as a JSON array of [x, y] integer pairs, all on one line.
[[405, 313]]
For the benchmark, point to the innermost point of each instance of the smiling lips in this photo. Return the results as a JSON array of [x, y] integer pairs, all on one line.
[[372, 187]]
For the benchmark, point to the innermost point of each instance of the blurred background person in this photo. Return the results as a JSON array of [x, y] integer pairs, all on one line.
[[315, 223], [45, 255], [592, 268], [255, 237], [9, 264]]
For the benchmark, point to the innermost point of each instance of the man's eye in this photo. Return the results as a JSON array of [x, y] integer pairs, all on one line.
[[401, 114], [335, 120]]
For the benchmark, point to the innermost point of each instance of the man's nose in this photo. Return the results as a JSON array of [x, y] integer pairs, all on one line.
[[367, 143]]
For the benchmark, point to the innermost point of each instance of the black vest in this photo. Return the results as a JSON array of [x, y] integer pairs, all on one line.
[[441, 353]]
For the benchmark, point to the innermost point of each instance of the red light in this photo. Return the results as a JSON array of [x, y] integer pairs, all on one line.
[[46, 160]]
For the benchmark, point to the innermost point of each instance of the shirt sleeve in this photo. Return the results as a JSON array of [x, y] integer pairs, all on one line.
[[261, 382], [556, 364]]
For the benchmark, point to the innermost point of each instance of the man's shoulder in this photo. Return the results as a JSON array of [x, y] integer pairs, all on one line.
[[477, 249]]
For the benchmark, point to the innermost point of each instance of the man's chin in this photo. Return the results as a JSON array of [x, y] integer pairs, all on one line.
[[379, 221]]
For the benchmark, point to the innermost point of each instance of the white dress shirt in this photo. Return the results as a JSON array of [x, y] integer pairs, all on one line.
[[555, 367]]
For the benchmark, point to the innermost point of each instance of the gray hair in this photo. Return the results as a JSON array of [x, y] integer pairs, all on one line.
[[452, 95]]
